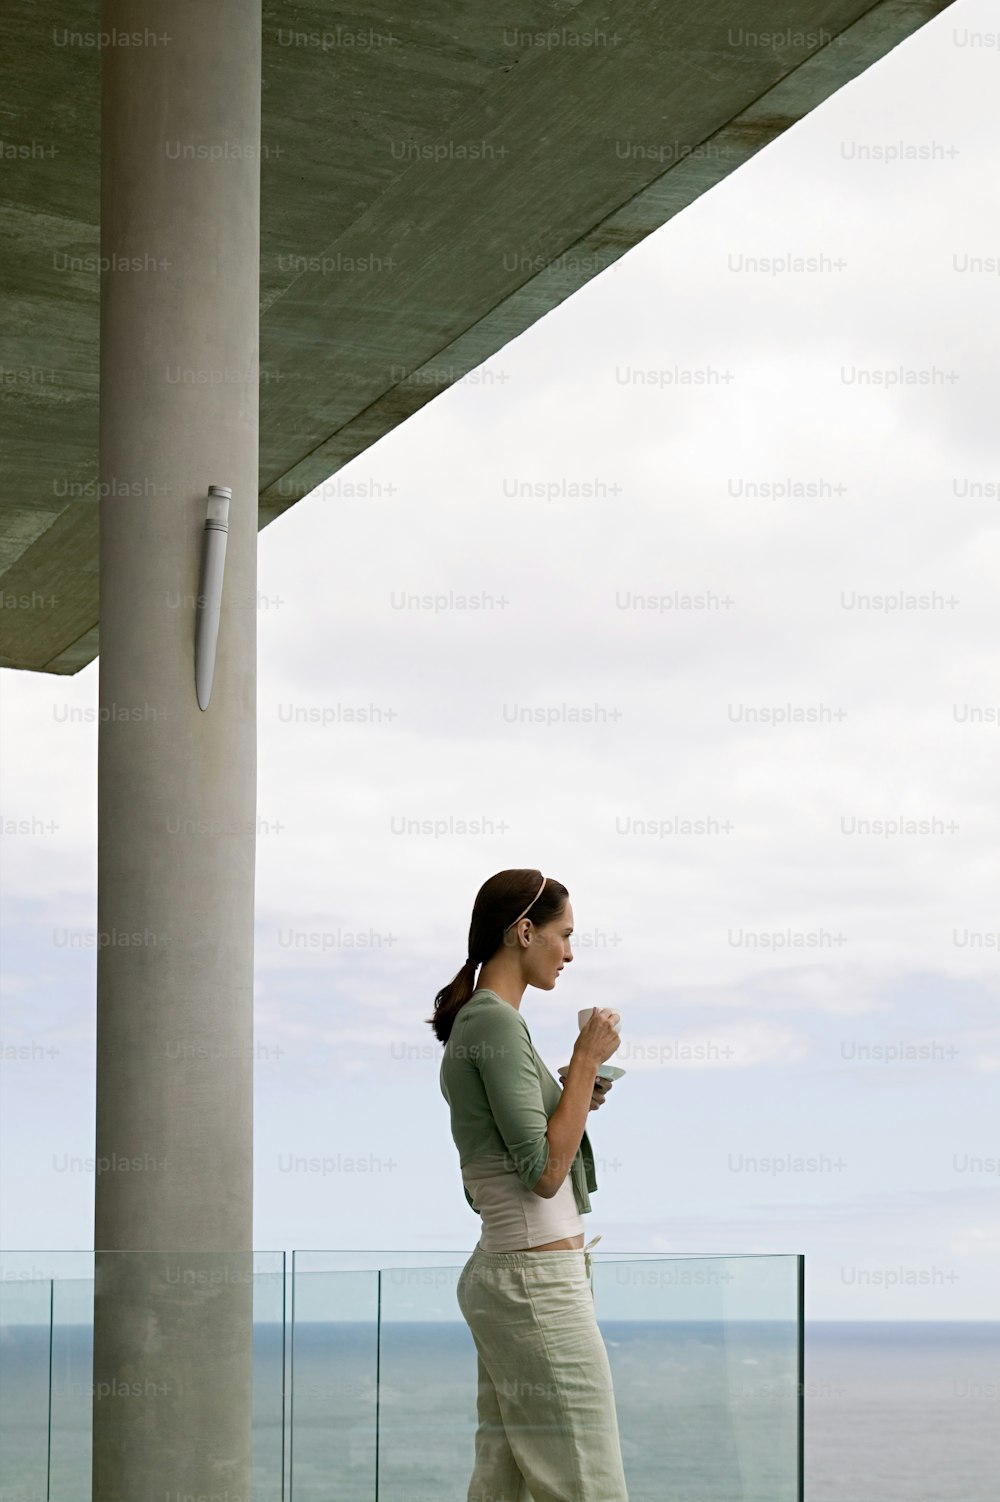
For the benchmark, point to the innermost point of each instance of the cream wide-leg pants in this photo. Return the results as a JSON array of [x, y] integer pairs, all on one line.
[[548, 1427]]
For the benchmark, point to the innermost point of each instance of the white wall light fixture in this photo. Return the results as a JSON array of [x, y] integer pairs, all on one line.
[[213, 563]]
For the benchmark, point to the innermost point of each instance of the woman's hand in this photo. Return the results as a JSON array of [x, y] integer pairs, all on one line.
[[601, 1088]]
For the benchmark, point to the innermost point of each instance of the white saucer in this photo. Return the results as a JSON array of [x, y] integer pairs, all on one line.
[[606, 1071]]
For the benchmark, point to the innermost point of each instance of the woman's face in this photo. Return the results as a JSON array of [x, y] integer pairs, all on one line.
[[550, 949]]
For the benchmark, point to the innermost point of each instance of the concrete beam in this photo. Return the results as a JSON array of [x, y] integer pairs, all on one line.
[[348, 354]]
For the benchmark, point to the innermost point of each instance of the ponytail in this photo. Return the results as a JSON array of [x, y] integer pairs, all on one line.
[[451, 999]]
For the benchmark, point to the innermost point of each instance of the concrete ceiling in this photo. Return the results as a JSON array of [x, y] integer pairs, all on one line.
[[435, 177]]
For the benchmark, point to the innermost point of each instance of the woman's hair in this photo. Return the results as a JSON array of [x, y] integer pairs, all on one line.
[[498, 902]]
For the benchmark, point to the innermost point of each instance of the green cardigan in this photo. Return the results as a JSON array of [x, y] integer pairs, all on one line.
[[501, 1095]]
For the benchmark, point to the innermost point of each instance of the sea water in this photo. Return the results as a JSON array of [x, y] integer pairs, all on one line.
[[894, 1412]]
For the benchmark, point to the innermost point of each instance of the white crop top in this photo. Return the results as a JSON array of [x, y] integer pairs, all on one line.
[[515, 1217]]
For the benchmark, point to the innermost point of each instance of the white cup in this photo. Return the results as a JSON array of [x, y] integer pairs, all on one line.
[[583, 1017]]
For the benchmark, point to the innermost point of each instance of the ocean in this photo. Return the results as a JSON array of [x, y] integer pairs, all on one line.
[[894, 1412], [902, 1412]]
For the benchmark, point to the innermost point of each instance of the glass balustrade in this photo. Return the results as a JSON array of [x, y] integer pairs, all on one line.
[[362, 1372]]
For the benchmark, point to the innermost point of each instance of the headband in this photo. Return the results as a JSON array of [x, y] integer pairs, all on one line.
[[530, 904]]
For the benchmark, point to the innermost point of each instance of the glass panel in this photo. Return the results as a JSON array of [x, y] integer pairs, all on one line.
[[270, 1378], [25, 1329], [334, 1383], [174, 1339], [704, 1355]]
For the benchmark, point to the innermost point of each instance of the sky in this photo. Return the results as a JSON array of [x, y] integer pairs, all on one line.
[[712, 550]]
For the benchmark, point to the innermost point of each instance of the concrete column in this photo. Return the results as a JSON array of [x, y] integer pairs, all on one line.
[[180, 210]]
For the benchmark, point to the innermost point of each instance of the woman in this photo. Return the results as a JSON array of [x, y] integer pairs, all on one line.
[[546, 1406]]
